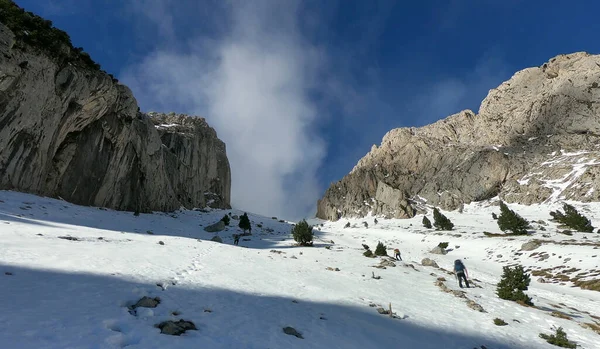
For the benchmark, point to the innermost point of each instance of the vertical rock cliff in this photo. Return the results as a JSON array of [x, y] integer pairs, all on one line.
[[69, 130]]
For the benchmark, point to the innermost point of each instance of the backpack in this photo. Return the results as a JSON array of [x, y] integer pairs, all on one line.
[[458, 265]]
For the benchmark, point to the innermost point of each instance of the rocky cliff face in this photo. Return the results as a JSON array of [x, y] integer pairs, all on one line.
[[73, 132], [536, 138]]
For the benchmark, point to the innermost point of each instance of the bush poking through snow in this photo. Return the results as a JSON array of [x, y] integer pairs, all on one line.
[[226, 219], [512, 284], [494, 216], [572, 219], [347, 225], [245, 222], [443, 245], [499, 322], [303, 234], [368, 253], [380, 250], [510, 220], [559, 339], [441, 222], [426, 222]]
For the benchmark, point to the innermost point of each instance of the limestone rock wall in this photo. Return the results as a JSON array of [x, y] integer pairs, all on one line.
[[75, 133], [534, 139]]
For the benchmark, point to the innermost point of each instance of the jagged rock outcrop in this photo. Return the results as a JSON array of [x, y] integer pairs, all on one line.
[[534, 139], [70, 131]]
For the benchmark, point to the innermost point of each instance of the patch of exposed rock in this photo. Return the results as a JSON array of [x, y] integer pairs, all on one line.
[[427, 262], [541, 125], [73, 132], [176, 328]]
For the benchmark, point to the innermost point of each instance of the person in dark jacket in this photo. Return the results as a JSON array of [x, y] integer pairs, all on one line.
[[236, 239], [461, 273]]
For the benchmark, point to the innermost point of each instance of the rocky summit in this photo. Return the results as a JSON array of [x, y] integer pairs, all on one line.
[[69, 130], [535, 139]]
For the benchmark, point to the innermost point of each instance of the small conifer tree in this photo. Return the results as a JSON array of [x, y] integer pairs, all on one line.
[[426, 222], [559, 339], [573, 219], [441, 222], [368, 253], [226, 219], [380, 250], [494, 216], [512, 284], [303, 233], [510, 220], [245, 222]]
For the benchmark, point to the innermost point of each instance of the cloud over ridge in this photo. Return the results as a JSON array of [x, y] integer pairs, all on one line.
[[252, 84]]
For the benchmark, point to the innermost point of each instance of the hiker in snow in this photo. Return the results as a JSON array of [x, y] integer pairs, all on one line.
[[397, 254], [461, 273], [236, 239]]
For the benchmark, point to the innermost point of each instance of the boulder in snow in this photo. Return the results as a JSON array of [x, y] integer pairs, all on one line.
[[438, 250], [216, 238], [426, 262], [213, 228], [292, 332], [176, 328], [147, 302], [531, 245]]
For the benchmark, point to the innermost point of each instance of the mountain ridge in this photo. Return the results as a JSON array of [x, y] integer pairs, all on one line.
[[470, 157]]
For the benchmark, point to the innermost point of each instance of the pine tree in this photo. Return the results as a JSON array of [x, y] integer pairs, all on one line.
[[441, 222], [573, 219], [302, 233], [245, 223], [559, 339], [380, 250], [510, 220], [426, 222], [226, 219], [512, 284]]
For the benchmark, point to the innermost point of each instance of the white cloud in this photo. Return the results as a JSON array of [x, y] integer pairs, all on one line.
[[252, 86]]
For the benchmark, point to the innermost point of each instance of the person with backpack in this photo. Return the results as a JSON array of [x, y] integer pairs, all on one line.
[[397, 254], [461, 273]]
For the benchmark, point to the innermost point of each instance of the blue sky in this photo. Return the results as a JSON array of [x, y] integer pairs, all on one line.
[[300, 90]]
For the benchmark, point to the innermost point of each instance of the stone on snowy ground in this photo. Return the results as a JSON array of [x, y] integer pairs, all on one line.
[[475, 306], [438, 250], [147, 302], [176, 328], [292, 332], [216, 239], [426, 262], [530, 246], [213, 228]]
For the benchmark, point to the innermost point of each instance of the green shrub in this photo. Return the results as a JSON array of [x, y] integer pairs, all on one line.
[[499, 322], [244, 223], [368, 253], [494, 216], [302, 233], [380, 250], [226, 219], [441, 222], [40, 34], [443, 245], [426, 222], [512, 284], [573, 219], [510, 220], [559, 339]]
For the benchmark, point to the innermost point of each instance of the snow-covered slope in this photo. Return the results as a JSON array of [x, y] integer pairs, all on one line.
[[68, 275]]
